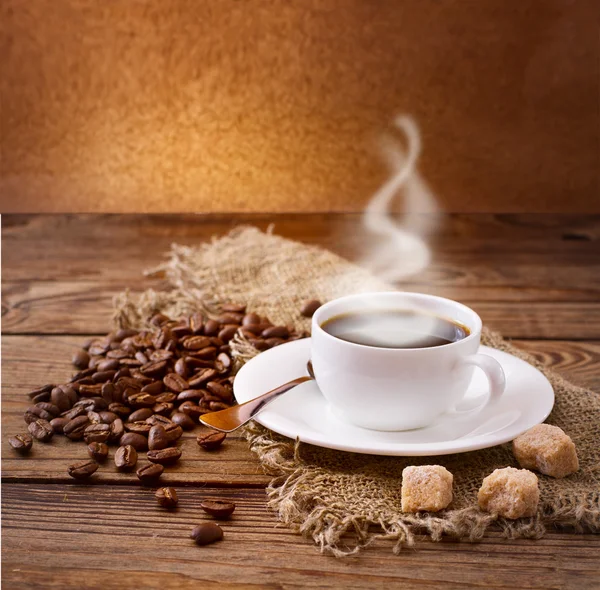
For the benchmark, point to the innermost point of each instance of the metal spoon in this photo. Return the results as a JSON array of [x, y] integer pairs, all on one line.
[[232, 418]]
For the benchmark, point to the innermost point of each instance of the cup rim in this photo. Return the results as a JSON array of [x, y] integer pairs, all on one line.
[[475, 331]]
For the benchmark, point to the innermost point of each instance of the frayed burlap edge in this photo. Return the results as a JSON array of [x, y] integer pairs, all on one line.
[[205, 276]]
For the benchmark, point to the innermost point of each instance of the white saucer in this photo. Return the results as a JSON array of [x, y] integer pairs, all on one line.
[[304, 413]]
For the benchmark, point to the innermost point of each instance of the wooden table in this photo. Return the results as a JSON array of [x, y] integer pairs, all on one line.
[[536, 278]]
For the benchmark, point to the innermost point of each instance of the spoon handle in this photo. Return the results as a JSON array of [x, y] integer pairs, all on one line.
[[232, 418]]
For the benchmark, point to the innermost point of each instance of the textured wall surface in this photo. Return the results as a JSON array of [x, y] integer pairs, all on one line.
[[221, 105]]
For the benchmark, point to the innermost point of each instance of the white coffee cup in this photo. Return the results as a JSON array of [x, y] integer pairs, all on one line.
[[399, 388]]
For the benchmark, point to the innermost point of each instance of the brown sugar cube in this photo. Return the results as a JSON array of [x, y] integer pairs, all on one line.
[[426, 487], [546, 449], [509, 492]]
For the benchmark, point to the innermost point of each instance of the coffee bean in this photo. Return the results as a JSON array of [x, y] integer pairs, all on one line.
[[81, 375], [190, 394], [102, 376], [141, 378], [224, 360], [41, 430], [174, 432], [157, 438], [122, 372], [193, 410], [309, 307], [75, 428], [217, 406], [166, 497], [98, 451], [159, 319], [150, 472], [203, 376], [108, 365], [211, 328], [44, 389], [166, 398], [90, 390], [158, 419], [183, 420], [181, 330], [140, 356], [141, 400], [74, 412], [128, 362], [137, 441], [195, 363], [162, 408], [275, 332], [125, 458], [161, 355], [110, 393], [119, 409], [34, 413], [228, 332], [196, 342], [212, 440], [61, 400], [116, 431], [166, 456], [181, 368], [96, 433], [231, 318], [96, 404], [196, 323], [83, 469], [154, 368], [48, 407], [98, 348], [140, 415], [162, 339], [175, 382], [222, 392], [139, 427], [117, 354], [58, 424], [217, 508], [83, 381], [94, 417], [107, 417], [207, 533], [259, 344], [42, 397], [81, 359], [154, 388], [21, 443], [208, 353], [234, 308]]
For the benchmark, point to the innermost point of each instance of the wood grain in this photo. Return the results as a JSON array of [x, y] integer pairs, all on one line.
[[105, 535], [528, 275], [497, 264], [30, 361]]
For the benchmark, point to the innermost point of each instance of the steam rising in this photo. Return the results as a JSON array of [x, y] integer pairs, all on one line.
[[401, 249]]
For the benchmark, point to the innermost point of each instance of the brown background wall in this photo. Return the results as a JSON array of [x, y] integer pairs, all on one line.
[[222, 105]]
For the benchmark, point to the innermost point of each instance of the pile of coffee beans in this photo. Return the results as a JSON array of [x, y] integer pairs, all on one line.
[[139, 390]]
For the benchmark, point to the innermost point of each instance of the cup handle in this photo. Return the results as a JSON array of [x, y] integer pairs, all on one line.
[[495, 376]]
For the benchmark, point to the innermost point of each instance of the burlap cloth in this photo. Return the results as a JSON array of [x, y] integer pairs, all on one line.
[[344, 501]]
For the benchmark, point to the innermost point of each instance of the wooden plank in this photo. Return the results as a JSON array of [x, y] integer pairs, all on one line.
[[575, 361], [119, 537], [467, 249], [30, 361], [57, 307]]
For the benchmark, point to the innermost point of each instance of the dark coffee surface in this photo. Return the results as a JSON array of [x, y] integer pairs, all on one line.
[[395, 328]]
